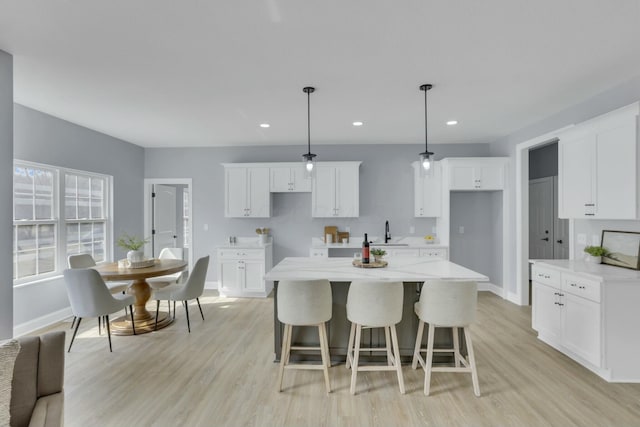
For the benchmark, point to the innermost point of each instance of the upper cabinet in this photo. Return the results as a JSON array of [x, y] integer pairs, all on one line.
[[336, 190], [427, 192], [246, 191], [597, 167], [288, 178], [476, 173]]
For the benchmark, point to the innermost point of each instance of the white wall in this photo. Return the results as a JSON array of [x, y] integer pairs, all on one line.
[[623, 94], [6, 193], [42, 138], [386, 193]]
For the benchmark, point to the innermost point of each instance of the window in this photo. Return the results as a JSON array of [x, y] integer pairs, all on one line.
[[57, 212]]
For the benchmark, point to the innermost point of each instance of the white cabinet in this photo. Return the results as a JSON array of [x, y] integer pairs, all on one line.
[[440, 253], [476, 173], [241, 271], [336, 190], [546, 313], [246, 192], [427, 191], [288, 178], [597, 167]]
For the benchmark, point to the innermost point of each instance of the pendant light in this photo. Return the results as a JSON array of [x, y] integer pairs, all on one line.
[[308, 158], [426, 158]]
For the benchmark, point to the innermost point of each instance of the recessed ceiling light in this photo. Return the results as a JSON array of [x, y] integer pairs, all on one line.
[[265, 125], [358, 123], [452, 122]]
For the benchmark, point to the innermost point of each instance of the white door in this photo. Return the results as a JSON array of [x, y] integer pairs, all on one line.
[[547, 314], [164, 232], [582, 327], [258, 193], [280, 180], [463, 178], [323, 196], [299, 179], [347, 193], [560, 228], [229, 274], [236, 192], [253, 276], [541, 219], [575, 169], [491, 177]]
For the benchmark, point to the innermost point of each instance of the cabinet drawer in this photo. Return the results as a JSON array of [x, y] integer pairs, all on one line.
[[434, 253], [580, 286], [239, 253], [545, 275], [319, 253]]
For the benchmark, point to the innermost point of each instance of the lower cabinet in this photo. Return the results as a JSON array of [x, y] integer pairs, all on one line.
[[241, 271]]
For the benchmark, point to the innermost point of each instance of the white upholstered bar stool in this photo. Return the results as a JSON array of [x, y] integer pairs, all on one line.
[[446, 304], [304, 303], [374, 304]]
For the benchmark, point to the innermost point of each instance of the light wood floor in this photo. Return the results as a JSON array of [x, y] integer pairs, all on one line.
[[223, 374]]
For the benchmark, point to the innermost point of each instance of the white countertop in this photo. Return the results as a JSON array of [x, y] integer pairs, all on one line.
[[246, 243], [340, 269], [597, 271], [396, 243]]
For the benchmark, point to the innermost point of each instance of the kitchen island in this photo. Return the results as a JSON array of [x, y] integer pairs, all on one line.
[[412, 271]]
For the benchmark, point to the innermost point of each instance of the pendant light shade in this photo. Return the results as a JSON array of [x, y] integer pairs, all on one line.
[[308, 158], [426, 158]]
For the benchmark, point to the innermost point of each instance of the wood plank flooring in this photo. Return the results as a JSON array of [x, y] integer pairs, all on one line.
[[222, 374]]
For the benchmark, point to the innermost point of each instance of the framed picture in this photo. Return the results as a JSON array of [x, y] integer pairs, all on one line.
[[623, 248]]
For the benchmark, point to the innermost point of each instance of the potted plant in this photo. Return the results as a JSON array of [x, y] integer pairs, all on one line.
[[132, 244], [378, 254], [595, 254]]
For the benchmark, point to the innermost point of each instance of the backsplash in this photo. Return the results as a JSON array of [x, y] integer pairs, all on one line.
[[591, 231]]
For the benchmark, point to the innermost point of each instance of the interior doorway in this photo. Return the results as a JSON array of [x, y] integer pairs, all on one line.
[[167, 216]]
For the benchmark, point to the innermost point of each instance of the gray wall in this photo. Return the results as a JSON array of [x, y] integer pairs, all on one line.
[[543, 161], [624, 94], [386, 193], [6, 193], [47, 139]]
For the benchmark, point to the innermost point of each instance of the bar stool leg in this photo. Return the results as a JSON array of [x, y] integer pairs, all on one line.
[[429, 362], [284, 353], [398, 363], [456, 346], [356, 356], [416, 351], [388, 344], [472, 362], [324, 351], [352, 334]]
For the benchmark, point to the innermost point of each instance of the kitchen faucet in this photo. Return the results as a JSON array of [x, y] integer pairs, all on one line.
[[387, 234]]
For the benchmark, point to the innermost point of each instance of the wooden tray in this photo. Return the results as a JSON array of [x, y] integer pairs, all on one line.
[[374, 264]]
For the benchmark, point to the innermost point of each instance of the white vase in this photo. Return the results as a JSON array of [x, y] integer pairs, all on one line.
[[135, 256], [593, 259]]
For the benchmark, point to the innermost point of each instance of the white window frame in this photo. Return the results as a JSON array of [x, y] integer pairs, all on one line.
[[61, 221]]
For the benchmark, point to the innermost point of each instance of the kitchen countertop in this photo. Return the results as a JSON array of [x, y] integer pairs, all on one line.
[[340, 269], [596, 271], [399, 243]]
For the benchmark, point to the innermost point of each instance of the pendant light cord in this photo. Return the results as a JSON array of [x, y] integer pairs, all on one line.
[[426, 139], [308, 122]]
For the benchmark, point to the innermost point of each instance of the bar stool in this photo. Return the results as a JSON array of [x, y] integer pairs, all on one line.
[[304, 303], [374, 304], [447, 304]]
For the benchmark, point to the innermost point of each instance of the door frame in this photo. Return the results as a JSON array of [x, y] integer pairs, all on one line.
[[521, 296], [148, 220]]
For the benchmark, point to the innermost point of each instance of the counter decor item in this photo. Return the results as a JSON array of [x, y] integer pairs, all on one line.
[[623, 248], [365, 250], [375, 264], [378, 254], [429, 238], [594, 254], [330, 230], [264, 235], [132, 244]]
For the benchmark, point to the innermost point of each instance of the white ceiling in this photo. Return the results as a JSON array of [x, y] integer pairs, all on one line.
[[164, 73]]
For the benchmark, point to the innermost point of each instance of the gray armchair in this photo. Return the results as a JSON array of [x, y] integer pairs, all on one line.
[[37, 397]]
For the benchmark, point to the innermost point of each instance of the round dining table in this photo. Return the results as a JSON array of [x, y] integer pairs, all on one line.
[[141, 291]]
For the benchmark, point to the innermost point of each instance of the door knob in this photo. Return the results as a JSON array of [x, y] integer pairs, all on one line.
[[546, 239], [559, 241]]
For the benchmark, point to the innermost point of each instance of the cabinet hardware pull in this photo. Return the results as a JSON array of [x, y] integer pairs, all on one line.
[[573, 284], [560, 304], [559, 241], [546, 239], [587, 214], [581, 287]]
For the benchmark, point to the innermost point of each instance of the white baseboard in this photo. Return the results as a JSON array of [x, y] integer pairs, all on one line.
[[490, 287], [211, 285], [41, 322], [513, 297]]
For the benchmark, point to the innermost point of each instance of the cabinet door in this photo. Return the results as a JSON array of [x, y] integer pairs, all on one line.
[[582, 328], [259, 198], [546, 313], [347, 181], [228, 277], [615, 178], [323, 196], [428, 192], [491, 177], [280, 180], [575, 174], [253, 276], [463, 178], [235, 192], [299, 181]]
